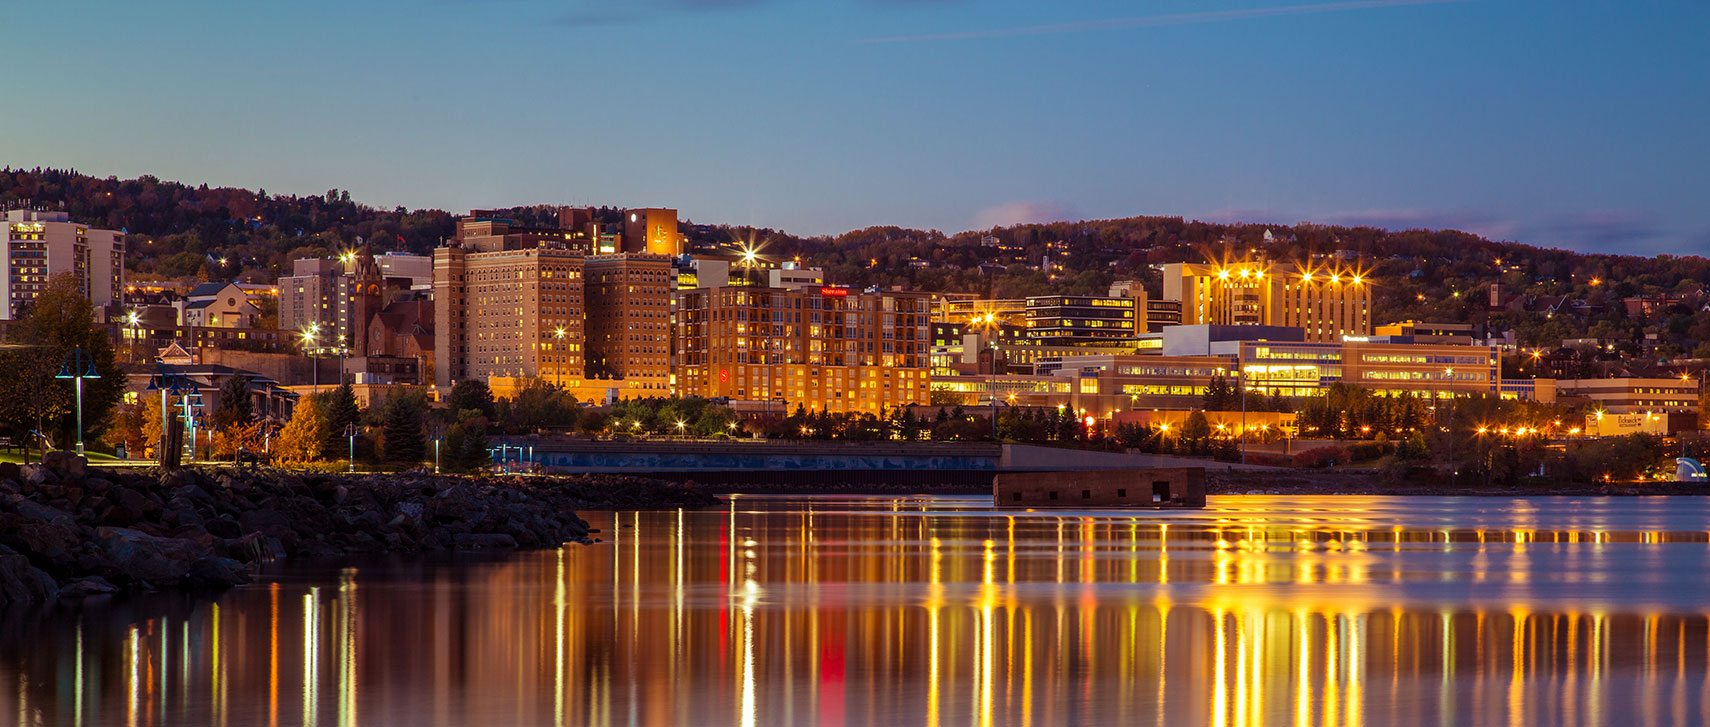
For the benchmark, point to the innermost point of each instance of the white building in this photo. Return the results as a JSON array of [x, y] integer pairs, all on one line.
[[418, 268], [39, 245]]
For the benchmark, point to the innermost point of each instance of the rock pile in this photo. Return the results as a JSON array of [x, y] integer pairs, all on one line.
[[71, 532]]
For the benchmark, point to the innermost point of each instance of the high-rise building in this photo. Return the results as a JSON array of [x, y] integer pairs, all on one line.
[[825, 349], [1328, 303], [628, 320], [508, 312], [316, 295], [39, 245]]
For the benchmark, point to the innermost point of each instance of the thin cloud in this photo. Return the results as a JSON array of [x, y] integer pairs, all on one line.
[[1216, 16], [1021, 212]]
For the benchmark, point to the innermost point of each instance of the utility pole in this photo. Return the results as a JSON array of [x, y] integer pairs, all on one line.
[[1239, 381]]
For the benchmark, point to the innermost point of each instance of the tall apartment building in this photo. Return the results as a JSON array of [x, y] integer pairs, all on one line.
[[826, 349], [628, 320], [317, 293], [1328, 303], [38, 245], [508, 312]]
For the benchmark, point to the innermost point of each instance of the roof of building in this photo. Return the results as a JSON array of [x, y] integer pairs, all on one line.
[[206, 290]]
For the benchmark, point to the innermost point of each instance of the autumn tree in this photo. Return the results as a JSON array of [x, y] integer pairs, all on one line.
[[301, 439]]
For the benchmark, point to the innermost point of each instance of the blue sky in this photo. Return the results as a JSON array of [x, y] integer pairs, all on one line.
[[1563, 123]]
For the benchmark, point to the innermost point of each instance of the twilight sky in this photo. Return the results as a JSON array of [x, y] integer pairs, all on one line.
[[1563, 123]]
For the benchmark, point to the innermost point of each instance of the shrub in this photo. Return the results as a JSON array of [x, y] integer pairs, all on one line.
[[1269, 460], [1320, 457], [1362, 451]]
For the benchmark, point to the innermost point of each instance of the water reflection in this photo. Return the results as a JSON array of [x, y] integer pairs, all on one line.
[[1328, 611]]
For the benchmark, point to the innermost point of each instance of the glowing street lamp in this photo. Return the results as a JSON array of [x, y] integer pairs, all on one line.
[[133, 321], [78, 366], [558, 349], [309, 335]]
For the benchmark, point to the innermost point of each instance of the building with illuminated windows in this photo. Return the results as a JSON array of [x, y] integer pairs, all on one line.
[[825, 349], [1327, 302], [513, 304], [627, 326], [38, 245], [513, 313], [1285, 365]]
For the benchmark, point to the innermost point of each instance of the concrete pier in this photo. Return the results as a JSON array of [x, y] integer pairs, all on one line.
[[1149, 487]]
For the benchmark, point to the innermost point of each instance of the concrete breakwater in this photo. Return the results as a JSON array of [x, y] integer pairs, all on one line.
[[70, 532]]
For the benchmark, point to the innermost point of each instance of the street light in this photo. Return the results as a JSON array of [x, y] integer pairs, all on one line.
[[78, 366], [133, 321], [350, 432], [437, 431], [309, 335], [558, 356]]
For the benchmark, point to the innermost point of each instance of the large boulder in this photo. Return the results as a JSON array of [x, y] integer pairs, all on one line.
[[50, 534], [484, 541], [271, 523], [149, 559], [21, 582], [65, 462], [217, 573], [86, 587]]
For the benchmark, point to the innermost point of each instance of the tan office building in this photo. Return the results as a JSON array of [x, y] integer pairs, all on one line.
[[826, 349], [1328, 303], [511, 313]]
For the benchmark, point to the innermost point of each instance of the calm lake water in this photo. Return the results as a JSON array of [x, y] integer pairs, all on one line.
[[886, 611]]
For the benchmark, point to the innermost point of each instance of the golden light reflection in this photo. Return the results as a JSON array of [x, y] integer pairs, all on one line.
[[1320, 613]]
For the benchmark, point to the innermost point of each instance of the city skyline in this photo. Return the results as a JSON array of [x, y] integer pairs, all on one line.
[[1559, 125]]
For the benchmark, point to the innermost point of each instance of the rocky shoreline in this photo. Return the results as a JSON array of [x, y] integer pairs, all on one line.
[[67, 531]]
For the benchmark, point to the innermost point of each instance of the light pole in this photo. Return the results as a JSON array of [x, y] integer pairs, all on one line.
[[558, 356], [78, 366], [350, 433], [437, 431], [314, 365], [1241, 382], [133, 321]]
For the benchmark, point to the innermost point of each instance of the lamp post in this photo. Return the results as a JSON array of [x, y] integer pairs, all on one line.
[[78, 366], [437, 431], [558, 356], [133, 321], [314, 365], [350, 433]]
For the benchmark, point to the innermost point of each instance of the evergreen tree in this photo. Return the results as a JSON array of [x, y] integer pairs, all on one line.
[[1218, 394], [405, 441], [338, 411], [236, 409], [472, 394]]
